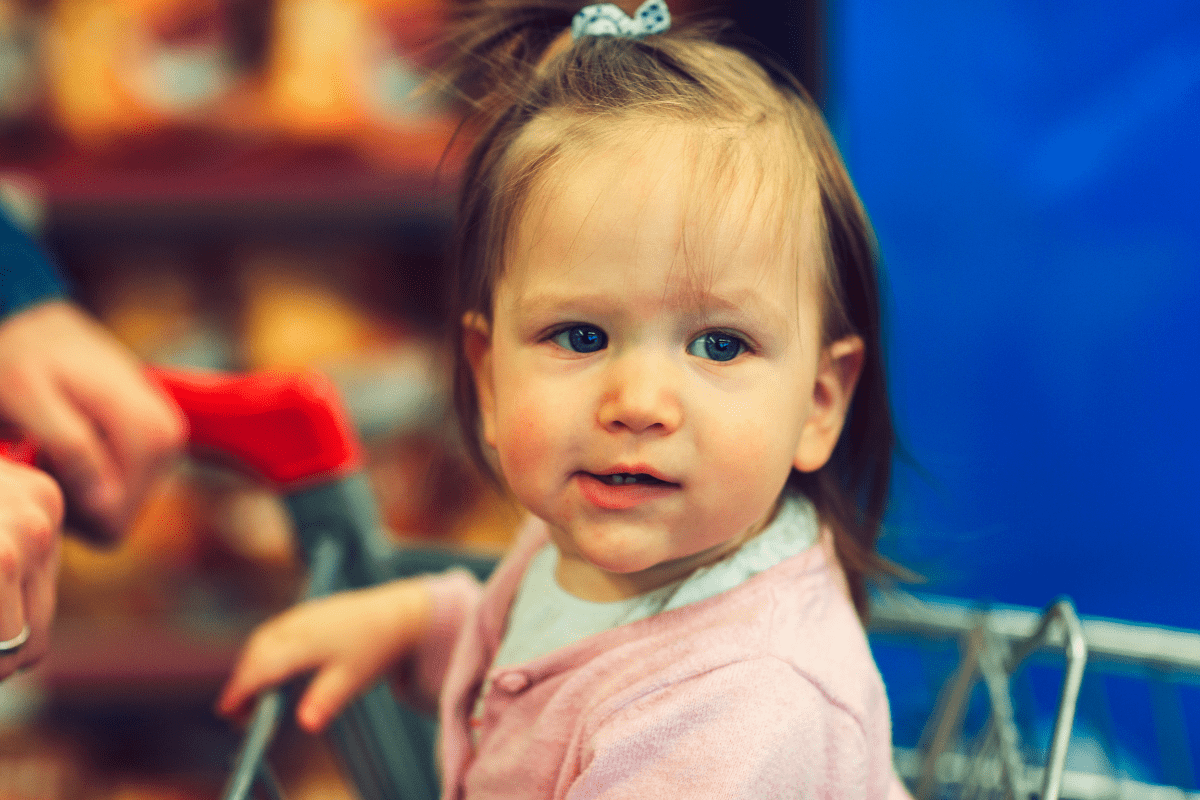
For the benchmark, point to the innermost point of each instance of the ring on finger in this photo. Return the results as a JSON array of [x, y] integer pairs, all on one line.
[[10, 647]]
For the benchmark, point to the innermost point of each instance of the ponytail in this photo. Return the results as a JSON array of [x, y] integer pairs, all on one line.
[[496, 45]]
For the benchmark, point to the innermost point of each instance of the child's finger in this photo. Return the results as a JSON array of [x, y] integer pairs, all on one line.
[[330, 691], [233, 699], [265, 662], [241, 690], [232, 702]]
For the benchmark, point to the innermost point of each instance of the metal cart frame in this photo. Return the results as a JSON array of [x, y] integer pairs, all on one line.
[[1161, 656]]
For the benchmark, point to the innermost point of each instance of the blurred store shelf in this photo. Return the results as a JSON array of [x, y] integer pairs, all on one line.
[[132, 658], [181, 182]]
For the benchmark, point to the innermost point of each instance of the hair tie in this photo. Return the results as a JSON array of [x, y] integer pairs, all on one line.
[[606, 19]]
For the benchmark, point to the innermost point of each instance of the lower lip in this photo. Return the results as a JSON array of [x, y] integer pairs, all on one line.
[[627, 495]]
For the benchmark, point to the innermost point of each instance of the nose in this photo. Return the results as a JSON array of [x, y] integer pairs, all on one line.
[[642, 395]]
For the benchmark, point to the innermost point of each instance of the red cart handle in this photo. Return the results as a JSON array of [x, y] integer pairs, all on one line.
[[288, 427], [23, 451]]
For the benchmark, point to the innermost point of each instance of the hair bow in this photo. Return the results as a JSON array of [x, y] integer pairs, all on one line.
[[606, 19]]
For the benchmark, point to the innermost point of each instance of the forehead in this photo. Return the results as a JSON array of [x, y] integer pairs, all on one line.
[[718, 210]]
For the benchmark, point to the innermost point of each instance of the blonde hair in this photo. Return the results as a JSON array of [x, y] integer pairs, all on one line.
[[539, 106]]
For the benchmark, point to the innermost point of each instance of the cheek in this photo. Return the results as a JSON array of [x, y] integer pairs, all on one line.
[[532, 432], [753, 454], [522, 443], [752, 444]]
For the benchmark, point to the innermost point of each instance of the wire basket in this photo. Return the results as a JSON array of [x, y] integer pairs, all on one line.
[[994, 763], [1004, 759]]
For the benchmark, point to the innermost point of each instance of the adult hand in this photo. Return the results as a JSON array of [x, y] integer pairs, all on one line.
[[31, 512], [105, 431]]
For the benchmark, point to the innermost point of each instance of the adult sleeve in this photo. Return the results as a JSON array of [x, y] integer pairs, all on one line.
[[749, 730], [26, 274]]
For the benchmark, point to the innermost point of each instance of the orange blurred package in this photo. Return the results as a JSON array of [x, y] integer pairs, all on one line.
[[117, 67], [352, 70]]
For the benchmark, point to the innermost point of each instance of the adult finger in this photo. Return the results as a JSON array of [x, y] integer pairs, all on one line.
[[143, 431], [40, 595], [30, 520], [12, 614], [73, 448]]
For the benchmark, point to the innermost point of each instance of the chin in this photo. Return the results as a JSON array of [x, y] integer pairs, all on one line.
[[619, 564], [617, 552]]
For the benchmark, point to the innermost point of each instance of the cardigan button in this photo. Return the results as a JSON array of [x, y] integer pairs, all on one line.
[[513, 682]]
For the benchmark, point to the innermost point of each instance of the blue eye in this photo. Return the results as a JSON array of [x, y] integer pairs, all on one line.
[[717, 346], [581, 339]]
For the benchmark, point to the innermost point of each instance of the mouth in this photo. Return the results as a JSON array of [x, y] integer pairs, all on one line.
[[621, 490], [627, 478]]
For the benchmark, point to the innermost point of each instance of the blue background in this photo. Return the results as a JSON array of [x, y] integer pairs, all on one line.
[[1032, 169]]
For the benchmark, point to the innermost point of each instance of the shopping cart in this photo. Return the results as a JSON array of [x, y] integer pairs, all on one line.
[[995, 764], [995, 645], [291, 431]]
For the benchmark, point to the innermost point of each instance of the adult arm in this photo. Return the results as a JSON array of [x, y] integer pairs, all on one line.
[[103, 429], [26, 275], [106, 432]]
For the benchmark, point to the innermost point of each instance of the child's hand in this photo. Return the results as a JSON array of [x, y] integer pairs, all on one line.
[[347, 640]]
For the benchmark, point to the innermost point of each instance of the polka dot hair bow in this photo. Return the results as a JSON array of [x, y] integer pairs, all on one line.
[[606, 19]]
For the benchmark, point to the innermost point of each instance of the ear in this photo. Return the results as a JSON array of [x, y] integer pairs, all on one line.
[[837, 375], [477, 347]]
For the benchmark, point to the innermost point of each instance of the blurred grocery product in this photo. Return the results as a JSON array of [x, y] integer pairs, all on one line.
[[20, 77], [22, 203], [337, 65], [294, 312], [353, 70], [135, 66]]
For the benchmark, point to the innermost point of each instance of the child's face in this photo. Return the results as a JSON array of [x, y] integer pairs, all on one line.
[[652, 374]]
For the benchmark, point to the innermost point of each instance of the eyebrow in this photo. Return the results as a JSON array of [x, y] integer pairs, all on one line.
[[700, 304], [744, 306]]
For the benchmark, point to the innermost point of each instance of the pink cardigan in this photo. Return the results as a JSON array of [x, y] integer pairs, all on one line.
[[766, 690]]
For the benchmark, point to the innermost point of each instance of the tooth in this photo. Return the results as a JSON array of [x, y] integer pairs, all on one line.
[[622, 478]]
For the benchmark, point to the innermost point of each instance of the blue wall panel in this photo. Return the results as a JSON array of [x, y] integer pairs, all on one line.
[[1033, 172]]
